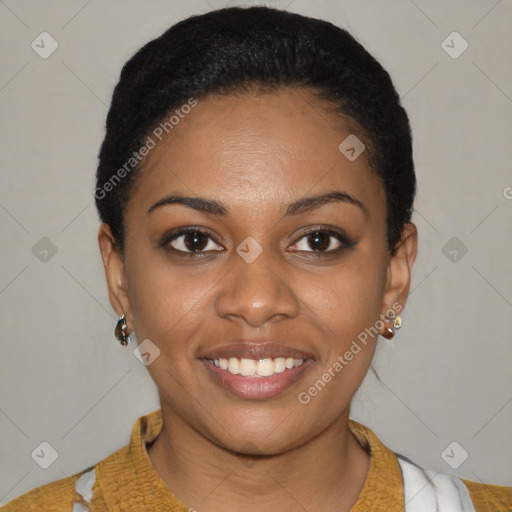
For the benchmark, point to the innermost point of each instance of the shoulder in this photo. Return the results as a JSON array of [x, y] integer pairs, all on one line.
[[86, 490], [429, 490], [74, 493], [56, 496], [489, 498]]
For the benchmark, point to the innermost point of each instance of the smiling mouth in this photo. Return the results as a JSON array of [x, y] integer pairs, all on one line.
[[256, 379], [256, 368], [256, 371]]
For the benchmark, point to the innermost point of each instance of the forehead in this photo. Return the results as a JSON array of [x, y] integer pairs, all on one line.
[[264, 150]]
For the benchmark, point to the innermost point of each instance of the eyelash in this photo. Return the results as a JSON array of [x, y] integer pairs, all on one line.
[[341, 237]]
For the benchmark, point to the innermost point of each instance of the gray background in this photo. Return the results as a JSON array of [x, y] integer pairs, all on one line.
[[65, 380]]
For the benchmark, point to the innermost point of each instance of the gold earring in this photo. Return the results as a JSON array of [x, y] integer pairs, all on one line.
[[120, 332], [397, 322]]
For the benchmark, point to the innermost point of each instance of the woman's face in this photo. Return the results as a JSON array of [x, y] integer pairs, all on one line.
[[256, 285]]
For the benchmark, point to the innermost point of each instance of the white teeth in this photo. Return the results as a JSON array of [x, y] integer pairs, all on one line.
[[234, 365], [256, 368], [280, 364], [265, 367], [247, 367]]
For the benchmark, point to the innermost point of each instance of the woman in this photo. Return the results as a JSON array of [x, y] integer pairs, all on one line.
[[256, 186]]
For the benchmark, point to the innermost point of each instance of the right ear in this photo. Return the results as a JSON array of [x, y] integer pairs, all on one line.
[[115, 274]]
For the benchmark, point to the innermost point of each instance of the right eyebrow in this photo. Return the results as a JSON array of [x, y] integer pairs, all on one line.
[[201, 204]]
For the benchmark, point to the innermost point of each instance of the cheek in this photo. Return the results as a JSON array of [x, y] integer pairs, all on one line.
[[167, 301], [349, 297], [348, 304]]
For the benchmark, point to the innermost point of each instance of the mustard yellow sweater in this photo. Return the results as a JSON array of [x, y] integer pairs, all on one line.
[[126, 481]]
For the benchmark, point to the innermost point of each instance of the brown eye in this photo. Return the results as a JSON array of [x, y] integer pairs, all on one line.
[[323, 242], [195, 241], [191, 240], [319, 241]]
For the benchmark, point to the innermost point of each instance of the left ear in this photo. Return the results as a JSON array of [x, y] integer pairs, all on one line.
[[400, 269]]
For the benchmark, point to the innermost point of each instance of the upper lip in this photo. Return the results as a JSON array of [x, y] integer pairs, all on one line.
[[254, 350]]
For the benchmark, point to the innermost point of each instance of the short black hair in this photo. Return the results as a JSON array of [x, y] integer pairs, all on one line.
[[243, 50]]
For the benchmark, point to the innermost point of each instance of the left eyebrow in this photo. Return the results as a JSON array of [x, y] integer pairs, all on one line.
[[297, 207], [306, 204]]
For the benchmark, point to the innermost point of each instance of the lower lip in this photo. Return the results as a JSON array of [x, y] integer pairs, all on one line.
[[257, 388]]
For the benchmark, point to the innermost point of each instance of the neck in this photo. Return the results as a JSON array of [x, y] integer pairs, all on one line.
[[325, 473]]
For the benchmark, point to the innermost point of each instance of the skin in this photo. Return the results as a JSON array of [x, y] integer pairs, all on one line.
[[256, 154]]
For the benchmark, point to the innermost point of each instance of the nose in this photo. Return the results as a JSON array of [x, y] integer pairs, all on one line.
[[258, 292]]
